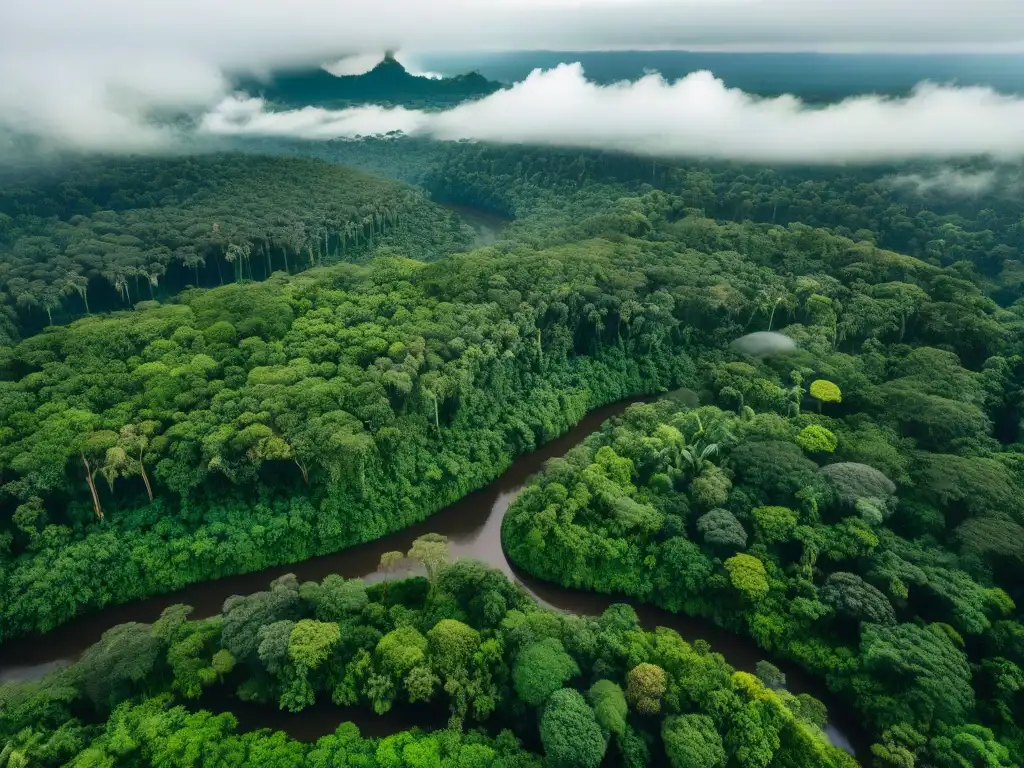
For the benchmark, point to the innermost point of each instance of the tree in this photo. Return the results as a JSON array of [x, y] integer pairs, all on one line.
[[967, 746], [192, 655], [310, 642], [720, 528], [452, 645], [937, 422], [389, 562], [91, 447], [125, 458], [609, 704], [853, 481], [431, 551], [421, 683], [853, 597], [645, 686], [991, 541], [925, 676], [824, 391], [816, 439], [540, 669], [570, 733], [400, 650], [770, 675], [938, 372], [775, 470], [245, 616], [774, 524], [692, 741], [711, 488], [30, 517], [337, 599], [122, 659], [748, 575]]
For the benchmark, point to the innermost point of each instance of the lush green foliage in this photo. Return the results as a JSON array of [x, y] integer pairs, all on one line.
[[884, 206], [408, 643], [856, 505], [300, 415], [908, 625], [106, 235], [815, 438]]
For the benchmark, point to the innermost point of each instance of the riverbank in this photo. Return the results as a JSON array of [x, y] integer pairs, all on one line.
[[473, 527]]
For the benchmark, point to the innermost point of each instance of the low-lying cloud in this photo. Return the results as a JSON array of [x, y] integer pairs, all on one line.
[[88, 75], [697, 116], [103, 106], [249, 116], [947, 181]]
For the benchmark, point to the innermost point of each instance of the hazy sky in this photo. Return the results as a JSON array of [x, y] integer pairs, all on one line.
[[262, 31], [87, 73]]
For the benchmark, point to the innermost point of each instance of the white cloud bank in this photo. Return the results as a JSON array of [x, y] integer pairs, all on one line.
[[697, 116], [88, 73]]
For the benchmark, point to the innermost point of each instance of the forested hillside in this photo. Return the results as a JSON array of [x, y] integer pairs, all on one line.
[[387, 83], [941, 214], [106, 234]]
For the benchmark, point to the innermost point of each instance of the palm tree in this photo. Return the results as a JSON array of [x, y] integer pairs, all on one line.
[[705, 443], [26, 294], [78, 284], [695, 456]]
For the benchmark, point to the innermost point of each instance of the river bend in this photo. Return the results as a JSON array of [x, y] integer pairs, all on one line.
[[473, 528]]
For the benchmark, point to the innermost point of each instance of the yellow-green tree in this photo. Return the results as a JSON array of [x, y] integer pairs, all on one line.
[[748, 575], [824, 391]]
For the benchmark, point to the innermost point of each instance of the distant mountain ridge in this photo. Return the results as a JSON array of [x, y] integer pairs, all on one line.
[[387, 83], [816, 77]]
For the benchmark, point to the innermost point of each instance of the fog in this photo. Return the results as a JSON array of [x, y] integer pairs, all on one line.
[[362, 63], [96, 74], [697, 116], [947, 181]]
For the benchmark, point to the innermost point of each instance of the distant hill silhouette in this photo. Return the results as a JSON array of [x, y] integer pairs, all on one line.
[[387, 83], [816, 77]]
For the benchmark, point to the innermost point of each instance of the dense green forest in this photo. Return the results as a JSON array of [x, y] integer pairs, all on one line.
[[466, 641], [272, 421], [855, 505], [784, 524], [106, 234], [913, 209]]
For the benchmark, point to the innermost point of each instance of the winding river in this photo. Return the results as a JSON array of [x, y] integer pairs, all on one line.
[[473, 528]]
